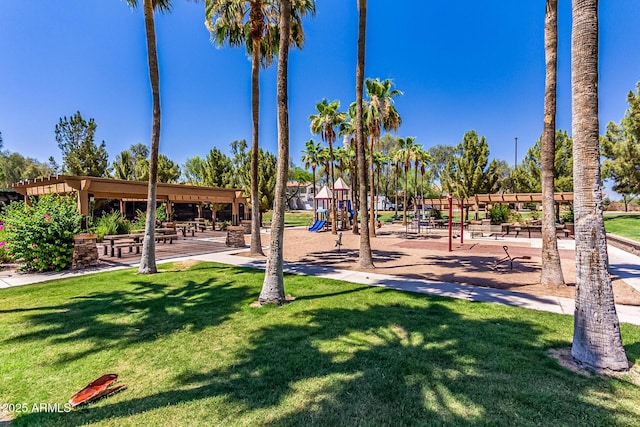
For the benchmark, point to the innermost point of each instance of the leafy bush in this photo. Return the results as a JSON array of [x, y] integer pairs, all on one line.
[[40, 236], [567, 217], [112, 223], [499, 214], [140, 219], [436, 213], [4, 254]]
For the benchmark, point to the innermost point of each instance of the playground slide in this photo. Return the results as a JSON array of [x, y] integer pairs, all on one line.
[[317, 226]]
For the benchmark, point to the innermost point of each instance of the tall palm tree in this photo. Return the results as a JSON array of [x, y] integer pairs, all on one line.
[[311, 159], [551, 273], [148, 257], [254, 24], [365, 258], [404, 155], [324, 124], [380, 114], [347, 132], [596, 337], [273, 285], [420, 158]]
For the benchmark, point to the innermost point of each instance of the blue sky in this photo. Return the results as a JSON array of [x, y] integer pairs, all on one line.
[[462, 64]]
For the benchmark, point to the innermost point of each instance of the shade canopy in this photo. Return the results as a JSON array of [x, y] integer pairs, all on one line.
[[105, 188], [324, 194]]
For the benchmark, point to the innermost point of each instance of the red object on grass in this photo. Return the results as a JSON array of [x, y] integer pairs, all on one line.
[[96, 389]]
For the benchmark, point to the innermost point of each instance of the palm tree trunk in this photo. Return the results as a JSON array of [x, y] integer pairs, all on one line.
[[372, 189], [415, 188], [148, 257], [396, 189], [551, 273], [313, 171], [406, 189], [355, 199], [596, 339], [334, 211], [273, 284], [365, 258], [256, 242]]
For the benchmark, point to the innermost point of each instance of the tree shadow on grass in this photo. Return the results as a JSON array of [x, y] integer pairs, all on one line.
[[396, 364], [143, 312]]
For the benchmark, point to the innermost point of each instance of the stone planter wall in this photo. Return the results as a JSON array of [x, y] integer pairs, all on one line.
[[246, 225], [85, 251], [235, 236]]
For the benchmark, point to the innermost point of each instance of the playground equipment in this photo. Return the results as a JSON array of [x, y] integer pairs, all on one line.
[[321, 220], [344, 209]]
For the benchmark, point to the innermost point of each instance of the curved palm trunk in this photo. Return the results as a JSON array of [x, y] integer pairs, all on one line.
[[365, 259], [551, 273], [372, 189], [256, 242], [596, 338], [148, 257], [273, 284]]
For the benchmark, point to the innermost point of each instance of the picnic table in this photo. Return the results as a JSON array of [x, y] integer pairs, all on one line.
[[197, 225], [114, 243]]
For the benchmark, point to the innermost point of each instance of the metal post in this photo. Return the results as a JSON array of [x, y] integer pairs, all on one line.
[[461, 220], [450, 221]]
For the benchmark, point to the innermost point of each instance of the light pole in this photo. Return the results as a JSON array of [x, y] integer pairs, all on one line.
[[515, 184]]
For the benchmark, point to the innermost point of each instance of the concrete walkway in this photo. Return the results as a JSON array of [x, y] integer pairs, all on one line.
[[623, 264]]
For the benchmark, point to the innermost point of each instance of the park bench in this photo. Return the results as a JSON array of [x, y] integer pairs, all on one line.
[[119, 246], [166, 237]]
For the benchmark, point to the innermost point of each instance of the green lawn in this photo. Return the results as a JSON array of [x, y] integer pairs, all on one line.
[[625, 225], [293, 219], [193, 352]]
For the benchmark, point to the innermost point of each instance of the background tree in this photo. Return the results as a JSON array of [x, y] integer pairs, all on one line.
[[267, 174], [621, 148], [168, 170], [466, 174], [379, 112], [551, 272], [440, 155], [132, 164], [273, 284], [80, 154], [528, 175], [254, 24], [597, 341], [15, 167], [148, 257], [241, 162], [193, 171], [324, 123], [310, 158], [404, 156]]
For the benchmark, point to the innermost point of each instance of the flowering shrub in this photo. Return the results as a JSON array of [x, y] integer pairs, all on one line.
[[4, 255], [41, 236]]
